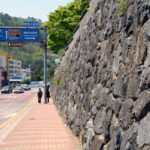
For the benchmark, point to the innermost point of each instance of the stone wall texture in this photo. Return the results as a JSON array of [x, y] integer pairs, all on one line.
[[102, 85]]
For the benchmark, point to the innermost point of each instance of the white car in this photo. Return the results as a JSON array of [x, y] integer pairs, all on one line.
[[18, 89], [25, 87]]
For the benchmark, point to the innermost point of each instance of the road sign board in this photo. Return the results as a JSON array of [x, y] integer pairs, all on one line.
[[14, 33], [31, 24], [15, 44], [19, 35], [1, 34], [30, 35]]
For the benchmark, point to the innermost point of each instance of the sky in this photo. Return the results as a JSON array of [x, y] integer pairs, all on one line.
[[34, 8]]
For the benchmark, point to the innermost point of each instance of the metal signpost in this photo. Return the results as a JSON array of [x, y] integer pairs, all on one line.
[[16, 36], [45, 63]]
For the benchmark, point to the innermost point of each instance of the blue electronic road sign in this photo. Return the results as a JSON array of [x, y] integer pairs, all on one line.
[[19, 35], [31, 24]]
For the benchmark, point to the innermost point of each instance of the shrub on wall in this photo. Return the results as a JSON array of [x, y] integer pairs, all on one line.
[[123, 6]]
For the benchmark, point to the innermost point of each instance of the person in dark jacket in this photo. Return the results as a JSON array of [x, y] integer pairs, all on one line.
[[47, 95], [40, 94]]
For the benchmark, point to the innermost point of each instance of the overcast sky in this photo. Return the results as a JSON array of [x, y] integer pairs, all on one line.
[[33, 8]]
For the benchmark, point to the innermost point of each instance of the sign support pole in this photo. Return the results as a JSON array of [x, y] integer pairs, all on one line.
[[45, 64]]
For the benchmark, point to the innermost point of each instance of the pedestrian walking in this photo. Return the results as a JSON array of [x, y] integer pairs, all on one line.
[[47, 95], [40, 93]]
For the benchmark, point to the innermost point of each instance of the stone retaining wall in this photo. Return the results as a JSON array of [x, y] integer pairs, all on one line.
[[102, 86]]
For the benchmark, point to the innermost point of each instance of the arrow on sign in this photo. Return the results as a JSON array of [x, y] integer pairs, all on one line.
[[15, 44]]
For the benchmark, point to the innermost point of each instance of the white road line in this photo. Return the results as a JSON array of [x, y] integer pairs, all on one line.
[[10, 115]]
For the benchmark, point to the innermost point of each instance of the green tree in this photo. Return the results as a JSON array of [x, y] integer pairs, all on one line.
[[27, 81], [62, 22]]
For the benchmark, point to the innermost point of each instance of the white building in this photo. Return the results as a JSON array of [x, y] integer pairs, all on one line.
[[25, 73], [15, 69]]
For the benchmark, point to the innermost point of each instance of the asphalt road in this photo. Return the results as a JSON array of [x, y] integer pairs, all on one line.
[[11, 104]]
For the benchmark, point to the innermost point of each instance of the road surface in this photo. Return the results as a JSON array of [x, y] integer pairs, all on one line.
[[11, 104]]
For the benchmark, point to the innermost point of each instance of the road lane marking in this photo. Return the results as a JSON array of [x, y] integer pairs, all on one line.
[[17, 114], [9, 97], [10, 115]]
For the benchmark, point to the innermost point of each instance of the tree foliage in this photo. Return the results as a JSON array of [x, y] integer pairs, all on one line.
[[7, 20], [27, 81], [62, 22]]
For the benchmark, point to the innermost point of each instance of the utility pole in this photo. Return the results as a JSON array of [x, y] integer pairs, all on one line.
[[29, 72], [45, 64]]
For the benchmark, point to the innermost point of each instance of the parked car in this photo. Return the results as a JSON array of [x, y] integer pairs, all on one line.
[[25, 87], [18, 89], [6, 89]]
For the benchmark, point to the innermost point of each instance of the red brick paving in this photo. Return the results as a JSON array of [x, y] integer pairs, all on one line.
[[41, 129]]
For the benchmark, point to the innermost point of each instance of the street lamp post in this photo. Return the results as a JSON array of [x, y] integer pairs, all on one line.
[[45, 64], [29, 72]]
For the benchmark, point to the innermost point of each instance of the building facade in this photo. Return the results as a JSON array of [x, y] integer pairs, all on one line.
[[4, 61], [11, 69], [4, 69], [26, 74], [15, 68]]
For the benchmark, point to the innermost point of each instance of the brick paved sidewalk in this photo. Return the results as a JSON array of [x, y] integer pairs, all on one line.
[[41, 129]]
